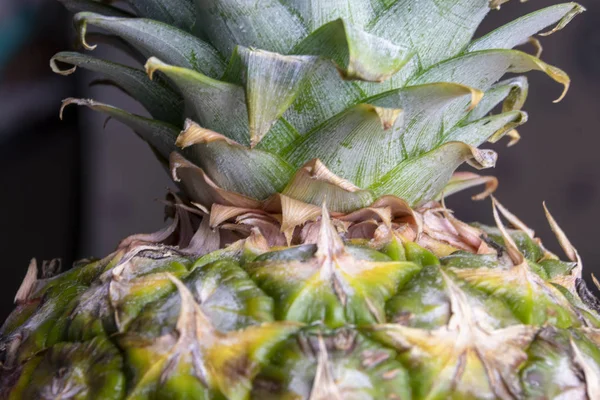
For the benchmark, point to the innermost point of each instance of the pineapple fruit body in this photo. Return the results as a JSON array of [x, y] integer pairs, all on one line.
[[310, 254]]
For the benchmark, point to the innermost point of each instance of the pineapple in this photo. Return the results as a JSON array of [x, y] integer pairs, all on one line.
[[310, 254]]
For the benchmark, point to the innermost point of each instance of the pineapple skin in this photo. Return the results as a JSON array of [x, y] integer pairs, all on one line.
[[337, 316]]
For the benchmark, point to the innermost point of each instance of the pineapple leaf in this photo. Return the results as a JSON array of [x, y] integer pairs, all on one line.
[[511, 92], [315, 184], [324, 95], [179, 13], [272, 82], [316, 13], [162, 103], [201, 189], [422, 178], [263, 24], [327, 96], [357, 54], [465, 180], [481, 69], [434, 29], [217, 105], [368, 140], [250, 172], [520, 30], [155, 38], [490, 128], [221, 106], [159, 135], [94, 6]]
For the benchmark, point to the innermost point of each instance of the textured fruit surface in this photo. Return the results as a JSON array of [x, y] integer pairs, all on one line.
[[452, 311]]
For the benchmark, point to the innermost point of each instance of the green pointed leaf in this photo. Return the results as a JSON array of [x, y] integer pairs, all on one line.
[[347, 144], [520, 30], [159, 135], [272, 82], [423, 109], [419, 179], [201, 189], [324, 96], [316, 13], [315, 184], [490, 128], [264, 24], [481, 69], [250, 172], [179, 13], [253, 173], [511, 92], [366, 141], [221, 106], [279, 137], [356, 53], [434, 29], [162, 103], [217, 105], [155, 38]]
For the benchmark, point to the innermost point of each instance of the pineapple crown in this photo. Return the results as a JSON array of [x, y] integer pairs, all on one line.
[[311, 100]]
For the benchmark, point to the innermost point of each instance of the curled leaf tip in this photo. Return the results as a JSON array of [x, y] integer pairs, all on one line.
[[514, 136], [81, 24], [559, 76], [106, 121], [57, 70], [195, 134], [71, 100], [465, 180], [482, 158], [152, 65], [176, 161], [476, 96], [576, 10], [520, 117], [537, 45]]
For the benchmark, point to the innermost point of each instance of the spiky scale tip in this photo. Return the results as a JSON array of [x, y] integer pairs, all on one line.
[[255, 291]]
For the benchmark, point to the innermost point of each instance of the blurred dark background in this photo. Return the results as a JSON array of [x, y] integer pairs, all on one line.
[[73, 189]]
